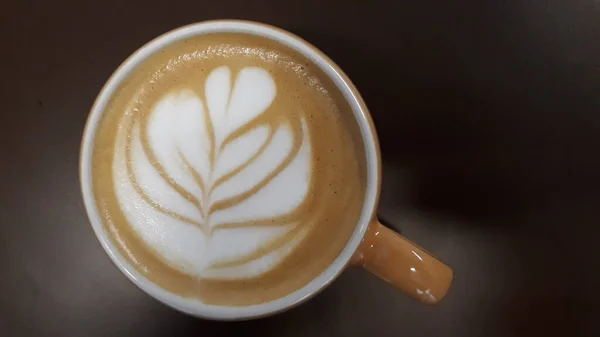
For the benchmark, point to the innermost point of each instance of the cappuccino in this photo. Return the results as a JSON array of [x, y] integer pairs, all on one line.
[[228, 168]]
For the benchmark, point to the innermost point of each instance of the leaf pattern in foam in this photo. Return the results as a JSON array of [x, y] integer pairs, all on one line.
[[176, 177], [177, 137], [282, 194], [253, 92], [240, 150], [175, 240], [152, 186], [254, 267]]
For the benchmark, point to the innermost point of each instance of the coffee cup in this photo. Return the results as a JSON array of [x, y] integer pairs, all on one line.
[[281, 270]]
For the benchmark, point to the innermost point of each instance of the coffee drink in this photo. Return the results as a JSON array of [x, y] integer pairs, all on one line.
[[228, 168]]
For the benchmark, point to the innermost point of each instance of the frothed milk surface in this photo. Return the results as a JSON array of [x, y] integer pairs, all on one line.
[[228, 168]]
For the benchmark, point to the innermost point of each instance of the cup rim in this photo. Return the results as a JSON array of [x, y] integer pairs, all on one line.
[[195, 307]]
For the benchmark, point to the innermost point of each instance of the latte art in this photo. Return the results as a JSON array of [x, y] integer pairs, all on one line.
[[227, 168], [211, 187]]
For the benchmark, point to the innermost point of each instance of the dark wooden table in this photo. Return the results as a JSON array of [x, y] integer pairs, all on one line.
[[489, 118]]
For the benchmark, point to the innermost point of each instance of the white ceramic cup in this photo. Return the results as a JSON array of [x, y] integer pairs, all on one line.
[[351, 252]]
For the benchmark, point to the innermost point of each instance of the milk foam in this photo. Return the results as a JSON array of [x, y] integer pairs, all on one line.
[[195, 188]]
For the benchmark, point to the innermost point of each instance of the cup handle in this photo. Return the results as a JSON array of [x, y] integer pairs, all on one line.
[[403, 264]]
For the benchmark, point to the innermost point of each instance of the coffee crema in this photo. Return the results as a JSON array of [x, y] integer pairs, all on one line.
[[228, 168]]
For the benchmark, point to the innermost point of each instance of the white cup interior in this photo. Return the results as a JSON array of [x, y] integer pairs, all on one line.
[[192, 306]]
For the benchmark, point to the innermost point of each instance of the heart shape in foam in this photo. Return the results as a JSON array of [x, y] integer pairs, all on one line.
[[211, 184]]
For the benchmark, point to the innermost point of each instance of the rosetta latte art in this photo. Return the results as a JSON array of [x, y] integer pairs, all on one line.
[[209, 184]]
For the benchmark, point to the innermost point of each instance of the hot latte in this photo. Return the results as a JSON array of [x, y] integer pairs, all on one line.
[[228, 168]]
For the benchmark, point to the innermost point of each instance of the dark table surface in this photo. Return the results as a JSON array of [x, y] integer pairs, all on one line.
[[489, 118]]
